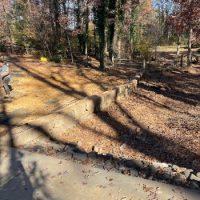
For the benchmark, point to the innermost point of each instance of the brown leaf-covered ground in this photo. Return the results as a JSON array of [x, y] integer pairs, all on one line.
[[41, 88], [160, 121]]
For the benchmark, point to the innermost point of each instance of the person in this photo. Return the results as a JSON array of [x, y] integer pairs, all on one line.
[[5, 77]]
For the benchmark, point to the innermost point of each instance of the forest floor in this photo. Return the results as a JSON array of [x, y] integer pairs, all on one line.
[[41, 88], [163, 113]]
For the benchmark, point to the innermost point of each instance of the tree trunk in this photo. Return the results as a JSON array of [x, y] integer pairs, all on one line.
[[95, 41], [86, 30], [178, 46], [116, 33], [144, 64], [67, 36], [101, 51], [189, 56], [79, 25], [101, 57], [56, 20], [70, 48], [111, 27], [101, 15], [178, 50], [119, 48], [155, 52], [53, 28], [9, 30], [106, 41], [181, 60]]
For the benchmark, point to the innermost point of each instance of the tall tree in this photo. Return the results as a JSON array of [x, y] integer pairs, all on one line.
[[100, 24], [187, 19]]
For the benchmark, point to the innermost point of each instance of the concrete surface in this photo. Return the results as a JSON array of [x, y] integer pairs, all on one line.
[[27, 176]]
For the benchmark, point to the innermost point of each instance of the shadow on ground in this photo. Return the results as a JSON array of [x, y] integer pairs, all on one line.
[[15, 177], [148, 143], [178, 85]]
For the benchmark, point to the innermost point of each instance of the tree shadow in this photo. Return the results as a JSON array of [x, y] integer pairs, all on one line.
[[16, 181], [179, 86], [156, 146], [147, 99], [64, 86], [147, 142], [70, 91], [123, 71]]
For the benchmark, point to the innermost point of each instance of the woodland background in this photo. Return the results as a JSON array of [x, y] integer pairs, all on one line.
[[106, 29]]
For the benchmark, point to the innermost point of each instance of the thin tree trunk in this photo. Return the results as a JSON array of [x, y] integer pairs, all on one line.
[[70, 48], [101, 51], [53, 39], [155, 52], [67, 36], [86, 30], [178, 46], [47, 46], [79, 25], [181, 60], [144, 64], [95, 41], [119, 48], [56, 21], [116, 32], [106, 41], [101, 15], [111, 37], [9, 30], [189, 56]]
